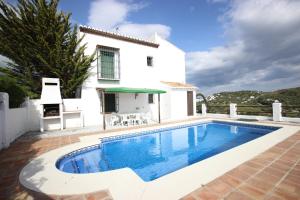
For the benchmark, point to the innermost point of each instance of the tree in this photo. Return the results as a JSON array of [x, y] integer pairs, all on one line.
[[199, 107], [200, 95], [16, 93], [41, 42]]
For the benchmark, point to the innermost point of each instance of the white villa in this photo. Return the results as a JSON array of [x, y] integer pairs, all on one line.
[[135, 76]]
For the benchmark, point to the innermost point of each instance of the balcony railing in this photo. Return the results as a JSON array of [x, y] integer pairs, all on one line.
[[291, 110], [259, 110], [275, 111], [219, 109]]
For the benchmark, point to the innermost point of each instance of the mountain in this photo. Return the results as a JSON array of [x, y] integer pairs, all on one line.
[[254, 102]]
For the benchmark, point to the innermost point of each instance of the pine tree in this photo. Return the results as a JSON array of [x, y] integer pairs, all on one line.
[[41, 42]]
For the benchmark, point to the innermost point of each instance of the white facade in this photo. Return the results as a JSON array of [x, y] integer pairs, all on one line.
[[168, 66]]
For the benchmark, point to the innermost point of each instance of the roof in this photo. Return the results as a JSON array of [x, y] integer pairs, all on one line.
[[178, 85], [86, 29], [132, 90]]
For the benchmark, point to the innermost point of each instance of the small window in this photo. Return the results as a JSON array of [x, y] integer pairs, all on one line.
[[150, 98], [150, 61]]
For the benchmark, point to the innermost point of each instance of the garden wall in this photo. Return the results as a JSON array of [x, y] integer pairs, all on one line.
[[17, 121]]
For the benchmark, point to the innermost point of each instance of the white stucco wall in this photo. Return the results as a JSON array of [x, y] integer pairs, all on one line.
[[169, 65], [34, 115], [133, 62], [129, 103], [91, 106], [170, 60], [178, 104], [18, 125]]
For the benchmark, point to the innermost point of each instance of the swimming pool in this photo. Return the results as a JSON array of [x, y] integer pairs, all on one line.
[[153, 154]]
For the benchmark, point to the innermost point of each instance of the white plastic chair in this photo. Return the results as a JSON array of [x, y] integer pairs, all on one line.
[[115, 120], [145, 118]]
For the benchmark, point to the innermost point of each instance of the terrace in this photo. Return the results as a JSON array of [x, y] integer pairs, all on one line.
[[272, 174]]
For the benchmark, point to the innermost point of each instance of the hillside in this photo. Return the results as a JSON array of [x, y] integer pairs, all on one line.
[[289, 96], [261, 102]]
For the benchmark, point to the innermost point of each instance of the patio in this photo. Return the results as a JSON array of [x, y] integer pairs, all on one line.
[[274, 174]]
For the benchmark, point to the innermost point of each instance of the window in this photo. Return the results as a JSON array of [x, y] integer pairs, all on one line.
[[111, 102], [150, 98], [108, 63], [149, 61]]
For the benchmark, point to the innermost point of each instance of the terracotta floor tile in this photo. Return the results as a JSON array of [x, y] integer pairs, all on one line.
[[293, 179], [236, 195], [233, 182], [274, 172], [262, 161], [219, 187], [205, 194], [248, 170], [286, 194], [254, 165], [295, 172], [289, 158], [276, 150], [268, 155], [238, 174], [285, 144], [280, 167], [289, 187], [260, 184], [253, 192], [273, 197]]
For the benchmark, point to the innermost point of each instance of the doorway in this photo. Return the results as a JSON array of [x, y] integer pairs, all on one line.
[[190, 103], [110, 102]]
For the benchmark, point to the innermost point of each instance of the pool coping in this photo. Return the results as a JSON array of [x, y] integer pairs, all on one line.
[[41, 174]]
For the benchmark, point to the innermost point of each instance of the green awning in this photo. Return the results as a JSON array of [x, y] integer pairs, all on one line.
[[133, 90]]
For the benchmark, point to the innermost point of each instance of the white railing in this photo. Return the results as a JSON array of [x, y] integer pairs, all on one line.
[[276, 114]]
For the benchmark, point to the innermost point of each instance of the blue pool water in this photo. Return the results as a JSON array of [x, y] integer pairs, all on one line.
[[157, 153]]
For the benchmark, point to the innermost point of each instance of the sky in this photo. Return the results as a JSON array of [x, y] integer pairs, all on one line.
[[230, 45]]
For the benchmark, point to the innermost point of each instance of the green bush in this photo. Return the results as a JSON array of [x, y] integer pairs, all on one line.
[[16, 93]]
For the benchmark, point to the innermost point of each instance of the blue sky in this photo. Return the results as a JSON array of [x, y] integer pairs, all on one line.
[[230, 45], [194, 23]]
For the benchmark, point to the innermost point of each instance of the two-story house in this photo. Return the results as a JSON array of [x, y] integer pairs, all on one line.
[[133, 75]]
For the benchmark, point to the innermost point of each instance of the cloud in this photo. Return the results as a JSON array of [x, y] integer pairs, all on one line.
[[145, 30], [113, 14], [262, 52]]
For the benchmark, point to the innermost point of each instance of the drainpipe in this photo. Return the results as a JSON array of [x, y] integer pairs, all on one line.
[[103, 108], [158, 107]]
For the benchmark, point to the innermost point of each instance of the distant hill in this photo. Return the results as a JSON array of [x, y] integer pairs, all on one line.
[[289, 96], [261, 102]]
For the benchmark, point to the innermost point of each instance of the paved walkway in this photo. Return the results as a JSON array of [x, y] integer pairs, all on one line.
[[274, 174]]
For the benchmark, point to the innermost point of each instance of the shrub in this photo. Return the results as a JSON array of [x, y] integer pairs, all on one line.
[[16, 92]]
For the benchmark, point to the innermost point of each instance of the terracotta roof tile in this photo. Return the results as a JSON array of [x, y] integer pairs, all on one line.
[[178, 85], [86, 29]]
